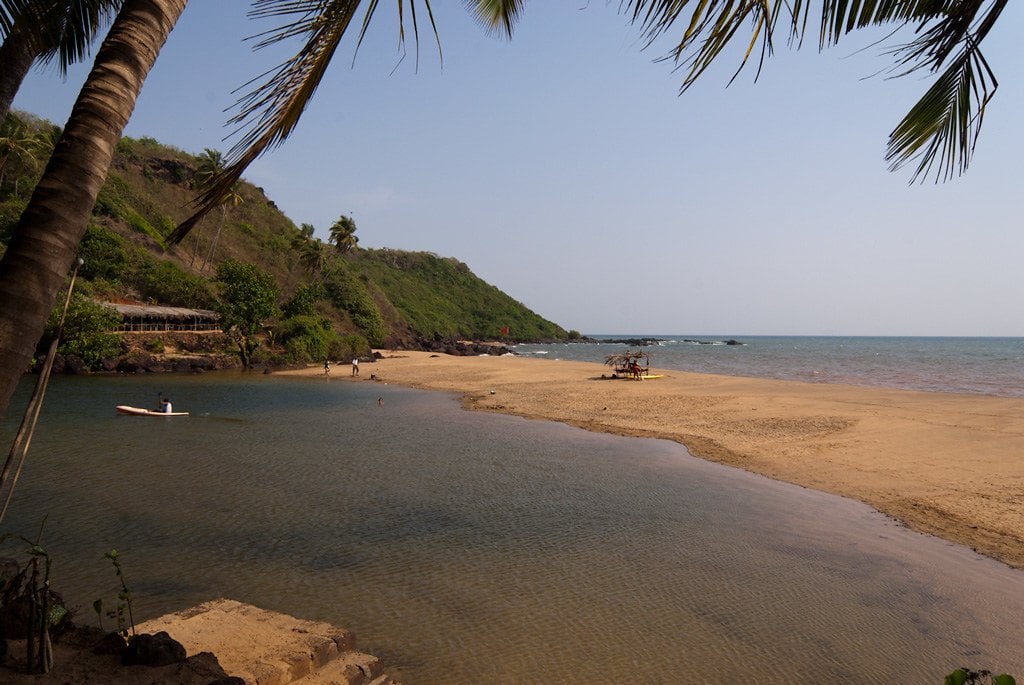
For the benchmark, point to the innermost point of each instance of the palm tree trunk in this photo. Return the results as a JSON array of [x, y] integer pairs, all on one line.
[[216, 237], [45, 240], [16, 55], [16, 58]]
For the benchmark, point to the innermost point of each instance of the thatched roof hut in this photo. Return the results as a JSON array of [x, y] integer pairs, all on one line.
[[623, 363], [140, 318]]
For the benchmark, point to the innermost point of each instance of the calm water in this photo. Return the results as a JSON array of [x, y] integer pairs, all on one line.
[[474, 548], [987, 366]]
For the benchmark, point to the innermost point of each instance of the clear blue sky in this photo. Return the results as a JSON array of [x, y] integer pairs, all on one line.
[[564, 168]]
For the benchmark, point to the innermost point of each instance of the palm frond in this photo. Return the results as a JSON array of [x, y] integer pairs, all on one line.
[[711, 25], [497, 14], [269, 113], [942, 129], [82, 21]]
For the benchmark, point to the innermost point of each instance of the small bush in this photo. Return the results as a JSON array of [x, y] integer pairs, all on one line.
[[306, 338], [168, 284], [104, 253], [87, 331]]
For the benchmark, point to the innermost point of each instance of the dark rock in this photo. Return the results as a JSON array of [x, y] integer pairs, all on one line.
[[74, 364], [110, 643], [153, 650]]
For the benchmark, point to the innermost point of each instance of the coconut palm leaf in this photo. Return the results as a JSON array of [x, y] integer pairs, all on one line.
[[59, 30], [269, 113], [940, 132]]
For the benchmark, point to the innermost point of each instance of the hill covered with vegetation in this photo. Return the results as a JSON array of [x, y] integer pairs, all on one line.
[[325, 298]]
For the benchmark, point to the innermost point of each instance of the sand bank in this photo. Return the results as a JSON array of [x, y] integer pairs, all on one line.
[[949, 465]]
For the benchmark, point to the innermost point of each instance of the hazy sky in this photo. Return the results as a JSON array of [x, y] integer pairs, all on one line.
[[564, 168]]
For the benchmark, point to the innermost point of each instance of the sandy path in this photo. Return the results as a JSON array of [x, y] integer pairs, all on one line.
[[949, 465]]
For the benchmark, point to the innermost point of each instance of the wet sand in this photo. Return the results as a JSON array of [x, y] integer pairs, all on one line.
[[944, 464]]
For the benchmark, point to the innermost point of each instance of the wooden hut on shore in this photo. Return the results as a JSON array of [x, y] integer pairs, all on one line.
[[138, 318]]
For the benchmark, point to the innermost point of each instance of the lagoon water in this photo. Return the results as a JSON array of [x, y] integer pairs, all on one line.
[[476, 548], [986, 366]]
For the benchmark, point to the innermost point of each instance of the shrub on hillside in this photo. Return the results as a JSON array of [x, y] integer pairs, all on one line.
[[351, 295], [167, 283], [104, 253], [350, 346], [306, 338], [303, 302]]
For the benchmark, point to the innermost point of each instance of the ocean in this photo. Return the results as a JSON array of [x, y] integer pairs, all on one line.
[[467, 547], [984, 366]]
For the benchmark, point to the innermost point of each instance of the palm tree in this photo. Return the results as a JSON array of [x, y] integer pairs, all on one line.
[[47, 30], [45, 239], [343, 235], [314, 256], [211, 163], [939, 131]]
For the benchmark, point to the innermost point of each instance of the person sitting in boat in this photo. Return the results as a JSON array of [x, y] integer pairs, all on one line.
[[165, 405]]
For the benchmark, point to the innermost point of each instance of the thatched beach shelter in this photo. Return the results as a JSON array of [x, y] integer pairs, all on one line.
[[137, 318], [628, 363]]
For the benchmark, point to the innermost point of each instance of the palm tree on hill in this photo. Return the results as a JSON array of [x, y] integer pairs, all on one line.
[[313, 254], [45, 31], [939, 132], [343, 235], [211, 163]]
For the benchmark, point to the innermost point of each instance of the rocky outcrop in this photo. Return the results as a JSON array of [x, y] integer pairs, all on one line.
[[461, 348]]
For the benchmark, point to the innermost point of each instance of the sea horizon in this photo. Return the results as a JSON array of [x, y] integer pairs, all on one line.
[[979, 365]]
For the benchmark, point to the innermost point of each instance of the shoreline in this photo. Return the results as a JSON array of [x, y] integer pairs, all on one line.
[[944, 464]]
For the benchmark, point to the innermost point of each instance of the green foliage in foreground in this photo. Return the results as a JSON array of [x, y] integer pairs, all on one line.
[[441, 298], [966, 676]]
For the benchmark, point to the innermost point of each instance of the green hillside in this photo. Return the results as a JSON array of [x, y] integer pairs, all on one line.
[[324, 293]]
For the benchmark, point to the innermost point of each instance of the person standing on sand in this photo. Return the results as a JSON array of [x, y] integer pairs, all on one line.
[[327, 367], [355, 366]]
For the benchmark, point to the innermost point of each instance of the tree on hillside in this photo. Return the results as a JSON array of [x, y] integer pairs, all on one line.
[[248, 299], [211, 163], [46, 31], [313, 255], [940, 129], [343, 235]]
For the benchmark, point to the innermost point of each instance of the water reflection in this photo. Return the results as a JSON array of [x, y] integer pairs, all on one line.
[[472, 548]]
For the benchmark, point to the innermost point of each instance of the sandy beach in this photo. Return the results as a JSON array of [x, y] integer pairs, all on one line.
[[944, 464]]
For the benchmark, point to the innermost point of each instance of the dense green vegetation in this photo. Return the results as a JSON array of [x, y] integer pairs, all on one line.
[[441, 298], [331, 299]]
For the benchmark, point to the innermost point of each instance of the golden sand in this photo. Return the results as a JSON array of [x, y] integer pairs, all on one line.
[[945, 464]]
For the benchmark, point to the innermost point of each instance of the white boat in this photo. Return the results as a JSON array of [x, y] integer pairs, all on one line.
[[138, 411]]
